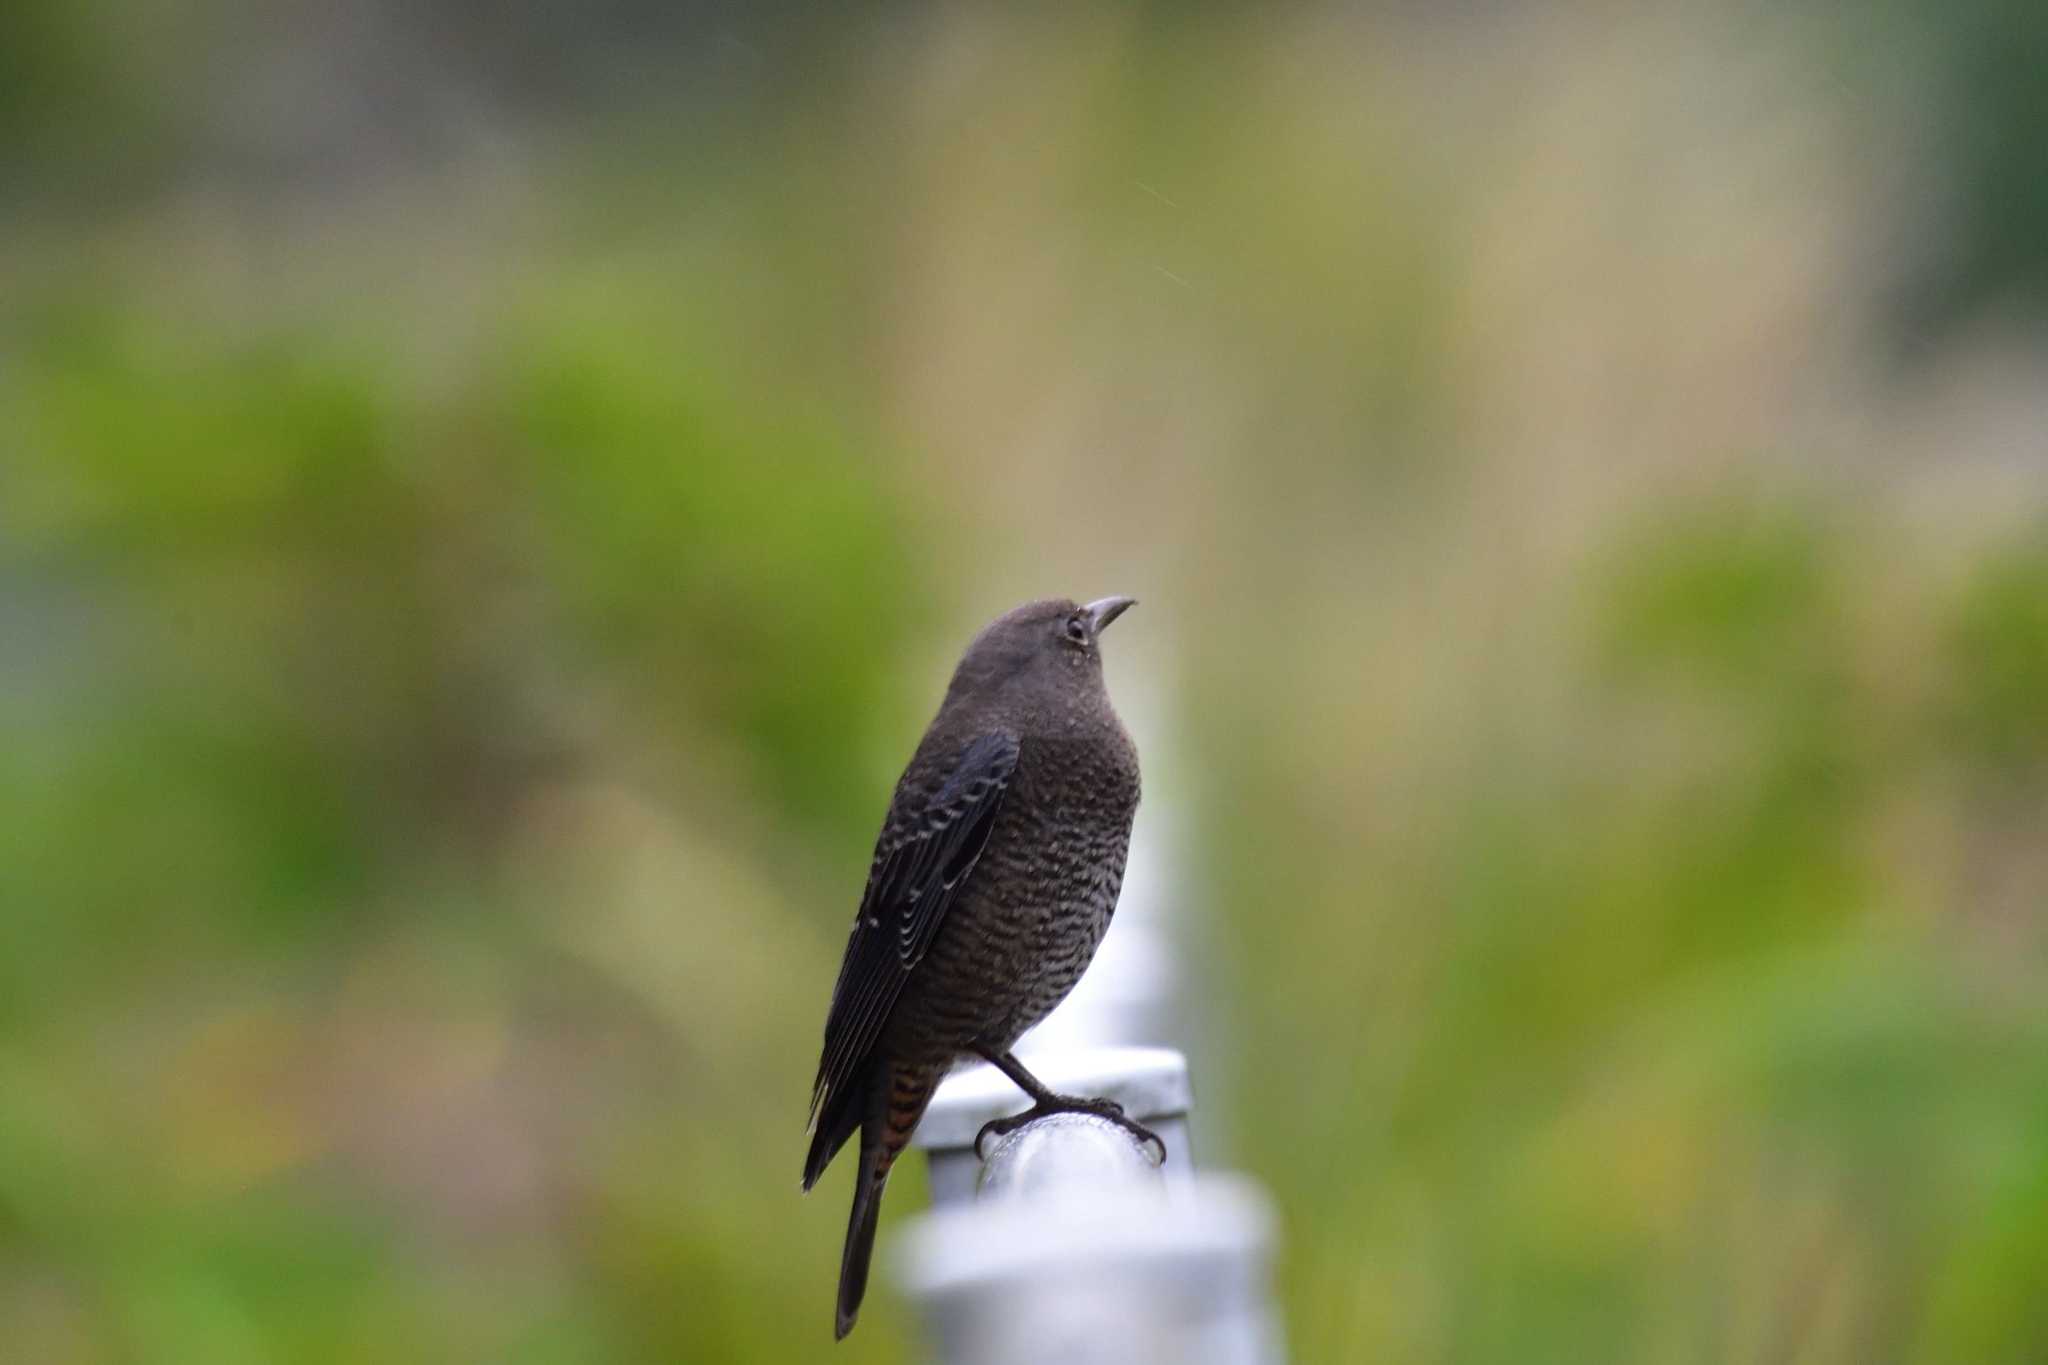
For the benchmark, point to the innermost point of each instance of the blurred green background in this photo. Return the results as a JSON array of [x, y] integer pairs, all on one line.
[[489, 495]]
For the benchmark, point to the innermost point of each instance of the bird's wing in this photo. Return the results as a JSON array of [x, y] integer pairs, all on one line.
[[928, 845]]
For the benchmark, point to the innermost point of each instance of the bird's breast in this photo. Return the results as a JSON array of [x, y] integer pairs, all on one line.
[[1038, 901], [1061, 844]]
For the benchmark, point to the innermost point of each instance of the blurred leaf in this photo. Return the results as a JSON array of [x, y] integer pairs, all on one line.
[[1998, 658]]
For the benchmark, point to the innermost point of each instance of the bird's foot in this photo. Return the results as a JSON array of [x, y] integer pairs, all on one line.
[[1071, 1104]]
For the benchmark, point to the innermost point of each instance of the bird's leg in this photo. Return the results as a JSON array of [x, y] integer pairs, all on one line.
[[1045, 1101]]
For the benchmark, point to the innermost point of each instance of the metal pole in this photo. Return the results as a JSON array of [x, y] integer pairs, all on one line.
[[1071, 1243], [1098, 1274]]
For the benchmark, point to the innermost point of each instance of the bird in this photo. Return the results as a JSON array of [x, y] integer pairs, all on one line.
[[993, 881]]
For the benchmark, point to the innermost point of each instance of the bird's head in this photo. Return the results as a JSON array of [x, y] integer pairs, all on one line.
[[1051, 644]]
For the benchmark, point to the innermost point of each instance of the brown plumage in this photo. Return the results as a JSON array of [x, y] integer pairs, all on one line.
[[994, 878]]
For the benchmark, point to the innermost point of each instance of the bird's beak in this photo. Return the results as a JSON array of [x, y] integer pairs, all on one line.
[[1107, 610]]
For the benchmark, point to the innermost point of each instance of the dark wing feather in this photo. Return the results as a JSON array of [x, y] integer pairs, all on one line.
[[927, 847]]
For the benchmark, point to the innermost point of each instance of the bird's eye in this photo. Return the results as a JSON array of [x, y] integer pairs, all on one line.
[[1077, 629]]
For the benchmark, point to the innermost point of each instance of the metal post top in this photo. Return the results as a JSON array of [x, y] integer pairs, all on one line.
[[1149, 1082], [1214, 1228]]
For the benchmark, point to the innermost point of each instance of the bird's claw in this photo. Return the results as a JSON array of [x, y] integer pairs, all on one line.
[[1099, 1108], [998, 1127]]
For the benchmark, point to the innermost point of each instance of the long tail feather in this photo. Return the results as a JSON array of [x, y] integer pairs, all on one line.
[[860, 1238], [896, 1101]]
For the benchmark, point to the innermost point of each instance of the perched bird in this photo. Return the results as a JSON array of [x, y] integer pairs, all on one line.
[[993, 881]]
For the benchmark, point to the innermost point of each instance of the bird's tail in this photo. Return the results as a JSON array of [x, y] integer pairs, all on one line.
[[892, 1116], [860, 1241]]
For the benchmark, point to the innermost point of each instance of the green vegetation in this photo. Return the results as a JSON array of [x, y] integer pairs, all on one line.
[[460, 611]]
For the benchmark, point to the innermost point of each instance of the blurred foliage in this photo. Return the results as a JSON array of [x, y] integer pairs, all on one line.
[[472, 557], [1981, 63], [1999, 645]]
